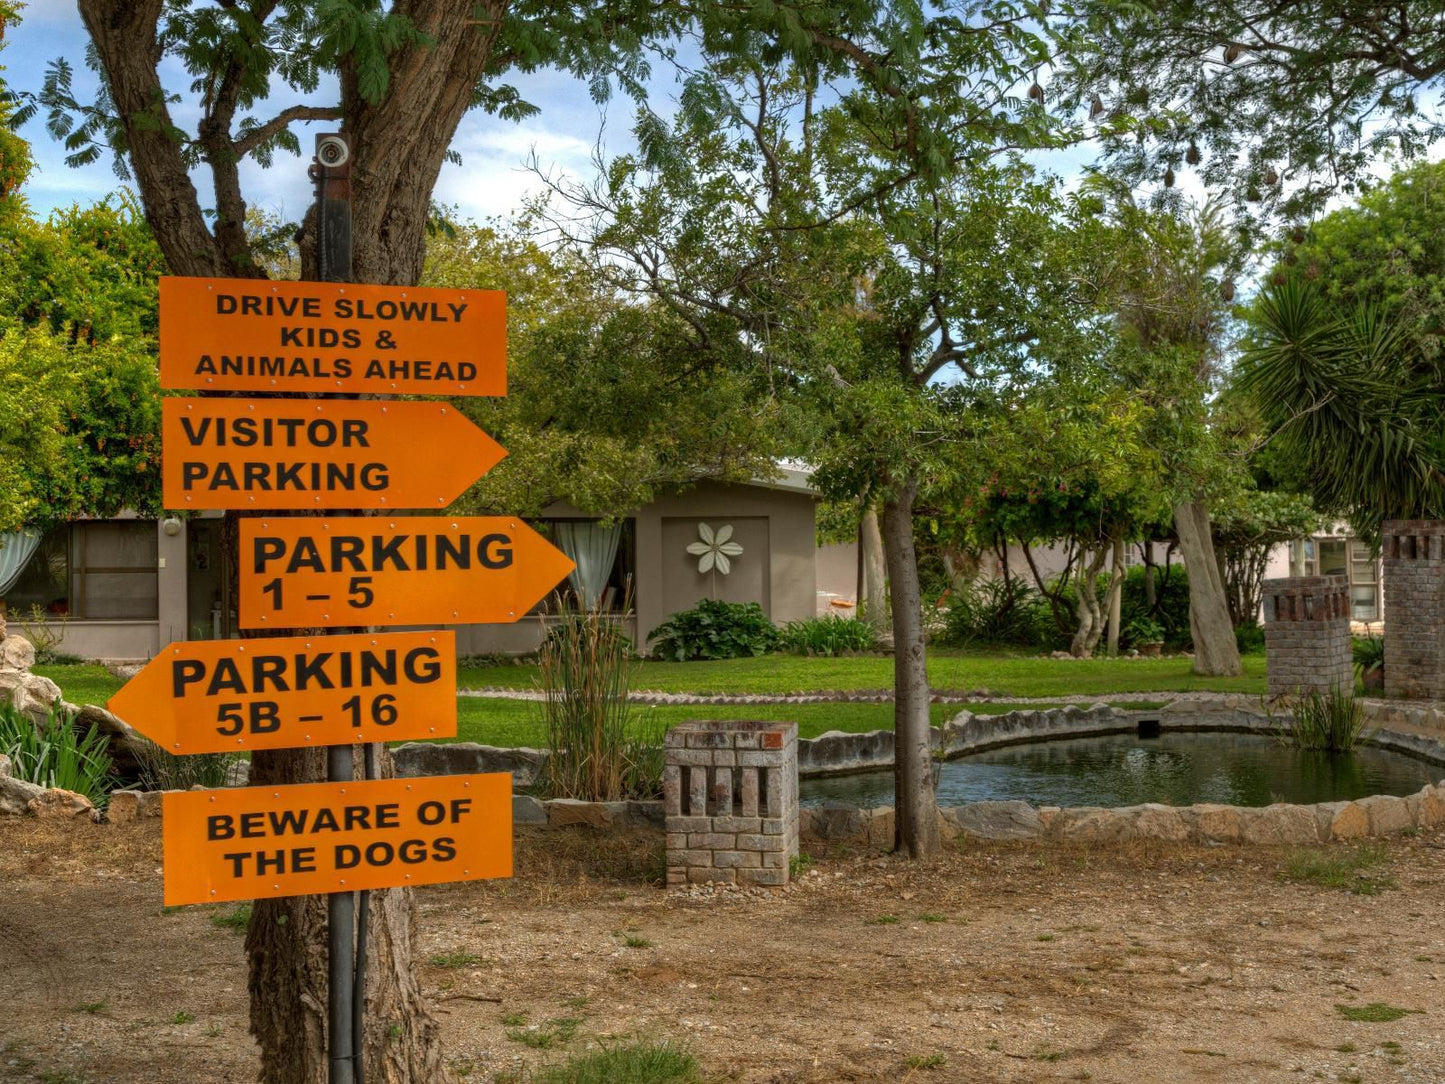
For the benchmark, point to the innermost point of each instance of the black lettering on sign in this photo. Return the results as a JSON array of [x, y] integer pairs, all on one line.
[[433, 312], [274, 477], [380, 552], [267, 305]]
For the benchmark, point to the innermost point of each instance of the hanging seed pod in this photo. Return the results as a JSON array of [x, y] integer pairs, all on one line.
[[1036, 92], [1226, 289], [1278, 278], [1096, 107], [1168, 178], [1297, 235], [1291, 258], [1252, 194], [1192, 155], [1271, 177], [1312, 271], [1232, 52]]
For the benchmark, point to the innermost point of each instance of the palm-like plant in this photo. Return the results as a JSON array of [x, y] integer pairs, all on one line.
[[1349, 398]]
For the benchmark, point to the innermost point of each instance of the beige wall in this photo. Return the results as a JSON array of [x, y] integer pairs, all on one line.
[[838, 578]]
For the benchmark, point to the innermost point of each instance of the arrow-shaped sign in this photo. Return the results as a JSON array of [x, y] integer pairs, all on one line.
[[220, 696], [393, 570], [292, 453]]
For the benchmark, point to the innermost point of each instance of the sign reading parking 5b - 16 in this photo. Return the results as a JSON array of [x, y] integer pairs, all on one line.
[[254, 335], [219, 696]]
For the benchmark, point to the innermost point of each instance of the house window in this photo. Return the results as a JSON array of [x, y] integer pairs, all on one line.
[[101, 570], [583, 540], [1352, 559]]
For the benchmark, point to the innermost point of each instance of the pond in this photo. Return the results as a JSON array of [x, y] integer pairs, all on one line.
[[1177, 768]]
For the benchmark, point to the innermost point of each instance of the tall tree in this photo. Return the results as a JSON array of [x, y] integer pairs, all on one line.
[[1280, 104], [397, 79]]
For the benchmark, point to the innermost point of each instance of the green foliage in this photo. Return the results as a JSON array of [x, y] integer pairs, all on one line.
[[1000, 613], [1332, 721], [237, 919], [161, 769], [1368, 652], [57, 754], [596, 754], [1376, 1012], [1354, 870], [1171, 609], [827, 635], [1348, 397], [715, 630], [1249, 638], [638, 1062], [1143, 630]]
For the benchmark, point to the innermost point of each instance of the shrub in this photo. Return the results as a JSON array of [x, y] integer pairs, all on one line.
[[56, 754], [827, 635], [1143, 630], [1172, 609], [1332, 721], [1368, 652], [999, 612], [585, 671], [161, 769], [1249, 638], [715, 630]]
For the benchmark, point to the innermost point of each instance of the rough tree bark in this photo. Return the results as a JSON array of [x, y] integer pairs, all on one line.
[[1215, 652], [1086, 606], [874, 602], [915, 804], [1116, 594], [398, 144]]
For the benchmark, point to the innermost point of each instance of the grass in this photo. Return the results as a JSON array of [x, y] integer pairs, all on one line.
[[82, 683], [638, 1062], [636, 942], [546, 1036], [932, 916], [91, 1007], [453, 960], [238, 918], [1005, 673], [881, 920], [183, 1017], [1349, 870], [1376, 1012]]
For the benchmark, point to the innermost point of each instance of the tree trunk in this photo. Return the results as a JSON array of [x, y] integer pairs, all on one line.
[[915, 804], [1086, 606], [873, 606], [1116, 594], [1150, 595], [1215, 651]]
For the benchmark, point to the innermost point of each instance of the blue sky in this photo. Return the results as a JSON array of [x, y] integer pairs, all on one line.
[[492, 179]]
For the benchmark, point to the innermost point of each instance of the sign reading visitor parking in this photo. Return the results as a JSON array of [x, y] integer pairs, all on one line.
[[255, 335], [393, 570], [291, 453], [261, 842], [222, 696]]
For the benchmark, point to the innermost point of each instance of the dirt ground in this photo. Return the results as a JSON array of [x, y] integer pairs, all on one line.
[[1133, 963]]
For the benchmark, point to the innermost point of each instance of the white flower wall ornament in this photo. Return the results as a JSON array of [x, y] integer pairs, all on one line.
[[715, 549]]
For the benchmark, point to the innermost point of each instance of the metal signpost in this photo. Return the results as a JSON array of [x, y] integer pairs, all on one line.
[[341, 836]]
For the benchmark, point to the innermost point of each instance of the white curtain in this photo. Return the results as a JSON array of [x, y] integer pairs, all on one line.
[[16, 549], [594, 548]]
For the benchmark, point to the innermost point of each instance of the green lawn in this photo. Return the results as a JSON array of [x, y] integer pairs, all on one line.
[[82, 683], [1004, 675], [519, 722]]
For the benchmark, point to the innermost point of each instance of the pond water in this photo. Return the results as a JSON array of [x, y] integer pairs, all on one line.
[[1177, 768]]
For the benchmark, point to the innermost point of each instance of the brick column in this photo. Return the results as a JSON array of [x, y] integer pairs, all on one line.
[[1307, 634], [1414, 607], [731, 794]]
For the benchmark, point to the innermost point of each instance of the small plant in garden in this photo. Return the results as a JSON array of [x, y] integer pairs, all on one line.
[[585, 669], [91, 1007], [828, 636], [1376, 1012], [715, 630], [238, 918], [798, 865], [1144, 632], [926, 1061], [1332, 721], [638, 1062], [1351, 870], [1369, 656], [881, 920], [456, 959], [632, 941], [999, 612], [161, 769], [56, 754], [183, 1017]]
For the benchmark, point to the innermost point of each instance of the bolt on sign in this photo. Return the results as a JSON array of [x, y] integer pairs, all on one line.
[[291, 453], [393, 570], [225, 696], [248, 843], [254, 335]]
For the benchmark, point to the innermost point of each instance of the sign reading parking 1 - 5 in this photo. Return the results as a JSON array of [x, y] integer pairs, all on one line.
[[393, 570], [252, 335], [219, 696]]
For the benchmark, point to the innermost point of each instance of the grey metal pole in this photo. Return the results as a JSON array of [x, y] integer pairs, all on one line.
[[333, 264]]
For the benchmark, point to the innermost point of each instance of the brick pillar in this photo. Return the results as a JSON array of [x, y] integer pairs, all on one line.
[[1414, 607], [731, 797], [1307, 634]]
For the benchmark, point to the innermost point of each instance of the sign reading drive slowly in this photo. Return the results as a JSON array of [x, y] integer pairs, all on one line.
[[254, 335]]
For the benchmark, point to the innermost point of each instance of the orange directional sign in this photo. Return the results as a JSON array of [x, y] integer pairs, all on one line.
[[219, 696], [258, 842], [392, 570], [255, 335], [292, 453]]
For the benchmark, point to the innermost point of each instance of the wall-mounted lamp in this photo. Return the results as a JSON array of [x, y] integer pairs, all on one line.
[[171, 525]]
